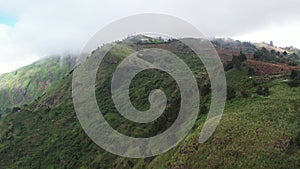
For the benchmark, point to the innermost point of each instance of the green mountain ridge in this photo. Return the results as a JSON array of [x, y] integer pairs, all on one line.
[[27, 83], [260, 127]]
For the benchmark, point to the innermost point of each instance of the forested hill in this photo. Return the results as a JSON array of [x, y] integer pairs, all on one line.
[[27, 83], [260, 127]]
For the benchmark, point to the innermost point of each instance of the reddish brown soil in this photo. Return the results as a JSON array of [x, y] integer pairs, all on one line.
[[259, 67], [264, 68], [226, 54]]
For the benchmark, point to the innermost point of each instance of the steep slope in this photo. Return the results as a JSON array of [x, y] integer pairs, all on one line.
[[48, 127], [26, 84], [256, 131]]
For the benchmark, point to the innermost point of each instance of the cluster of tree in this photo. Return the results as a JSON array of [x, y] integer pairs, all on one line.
[[233, 44], [294, 56], [295, 74], [232, 93], [295, 78], [264, 54], [237, 62]]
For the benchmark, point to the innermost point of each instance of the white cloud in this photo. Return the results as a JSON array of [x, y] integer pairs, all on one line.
[[61, 26], [282, 35], [12, 54]]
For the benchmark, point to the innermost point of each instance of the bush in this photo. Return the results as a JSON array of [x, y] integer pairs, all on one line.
[[295, 74], [263, 54], [203, 109], [294, 83], [244, 94], [7, 110], [237, 61], [264, 91], [292, 63], [228, 66], [16, 109], [231, 93], [251, 72], [205, 90], [297, 140]]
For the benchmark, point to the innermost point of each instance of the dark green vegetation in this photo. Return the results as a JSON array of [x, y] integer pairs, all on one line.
[[276, 57], [22, 86], [237, 62], [247, 47], [295, 78], [259, 128]]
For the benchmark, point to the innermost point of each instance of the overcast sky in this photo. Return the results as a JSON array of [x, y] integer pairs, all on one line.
[[31, 29]]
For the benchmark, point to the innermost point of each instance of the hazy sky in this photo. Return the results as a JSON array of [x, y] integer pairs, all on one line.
[[30, 29]]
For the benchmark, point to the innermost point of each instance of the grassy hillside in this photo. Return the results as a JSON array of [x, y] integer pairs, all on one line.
[[259, 128], [26, 84]]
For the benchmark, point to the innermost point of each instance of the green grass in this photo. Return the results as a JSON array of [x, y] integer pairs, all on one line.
[[253, 133]]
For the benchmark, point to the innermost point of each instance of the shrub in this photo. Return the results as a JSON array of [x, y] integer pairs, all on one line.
[[231, 93], [237, 61], [244, 94], [292, 63], [251, 72], [295, 74], [8, 110], [228, 66], [264, 91], [297, 140], [294, 83], [16, 109], [203, 109], [205, 90]]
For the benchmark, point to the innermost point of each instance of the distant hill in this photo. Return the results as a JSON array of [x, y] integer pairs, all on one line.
[[263, 58], [270, 47], [291, 52], [27, 83], [226, 48]]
